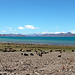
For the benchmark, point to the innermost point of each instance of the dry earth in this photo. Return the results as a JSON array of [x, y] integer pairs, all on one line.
[[13, 63]]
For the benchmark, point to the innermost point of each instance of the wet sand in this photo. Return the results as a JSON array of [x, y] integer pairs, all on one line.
[[13, 63]]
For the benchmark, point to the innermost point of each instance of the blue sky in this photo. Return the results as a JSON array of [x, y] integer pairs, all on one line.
[[37, 16]]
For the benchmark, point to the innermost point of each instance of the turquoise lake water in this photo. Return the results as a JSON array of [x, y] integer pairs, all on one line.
[[40, 40]]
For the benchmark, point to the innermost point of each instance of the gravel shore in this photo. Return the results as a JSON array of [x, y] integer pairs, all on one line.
[[13, 63]]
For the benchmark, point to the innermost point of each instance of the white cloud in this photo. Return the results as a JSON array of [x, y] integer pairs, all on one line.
[[59, 32], [73, 31], [31, 27], [51, 32], [10, 29], [44, 32], [20, 27], [3, 31]]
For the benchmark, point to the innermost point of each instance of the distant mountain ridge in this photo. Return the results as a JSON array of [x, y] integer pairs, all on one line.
[[69, 34]]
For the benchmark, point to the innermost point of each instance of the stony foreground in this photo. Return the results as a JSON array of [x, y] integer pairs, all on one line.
[[13, 63]]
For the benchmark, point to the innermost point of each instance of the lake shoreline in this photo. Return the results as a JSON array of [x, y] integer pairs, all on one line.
[[55, 60], [36, 44], [25, 46]]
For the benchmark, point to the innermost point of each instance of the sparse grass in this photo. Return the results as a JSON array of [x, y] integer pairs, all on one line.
[[18, 46]]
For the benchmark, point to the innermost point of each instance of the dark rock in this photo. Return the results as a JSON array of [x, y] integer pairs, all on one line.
[[59, 55]]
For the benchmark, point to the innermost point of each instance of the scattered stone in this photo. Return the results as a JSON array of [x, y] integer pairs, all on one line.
[[49, 64], [59, 55]]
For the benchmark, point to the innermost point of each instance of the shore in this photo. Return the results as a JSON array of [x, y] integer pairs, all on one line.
[[36, 59], [14, 63], [24, 47]]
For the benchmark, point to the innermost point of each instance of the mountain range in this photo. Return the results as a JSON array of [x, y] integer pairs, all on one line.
[[69, 34]]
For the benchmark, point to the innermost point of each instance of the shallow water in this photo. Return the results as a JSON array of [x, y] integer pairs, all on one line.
[[40, 40]]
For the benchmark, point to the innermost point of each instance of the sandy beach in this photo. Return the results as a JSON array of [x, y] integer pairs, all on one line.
[[13, 63]]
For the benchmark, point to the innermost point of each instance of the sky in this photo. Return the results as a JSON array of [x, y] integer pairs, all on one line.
[[37, 16]]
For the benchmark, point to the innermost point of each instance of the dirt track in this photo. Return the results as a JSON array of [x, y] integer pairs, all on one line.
[[13, 63]]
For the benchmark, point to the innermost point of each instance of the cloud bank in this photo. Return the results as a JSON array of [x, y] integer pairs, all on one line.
[[28, 27], [51, 32], [73, 31]]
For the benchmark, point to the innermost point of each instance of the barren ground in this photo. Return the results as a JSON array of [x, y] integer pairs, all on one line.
[[13, 63]]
